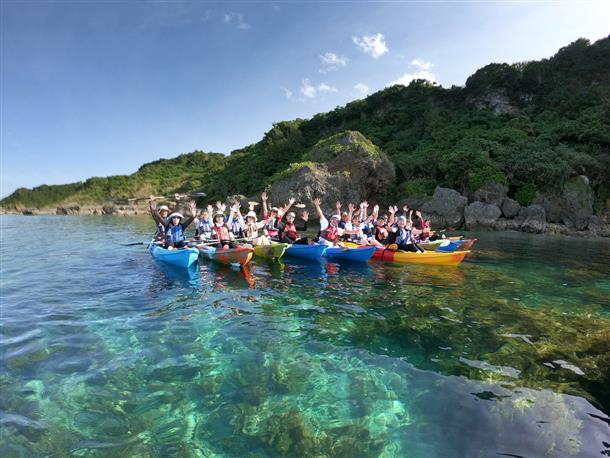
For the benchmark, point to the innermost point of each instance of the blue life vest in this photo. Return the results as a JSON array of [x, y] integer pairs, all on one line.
[[203, 227], [160, 230], [404, 237], [236, 227], [174, 234]]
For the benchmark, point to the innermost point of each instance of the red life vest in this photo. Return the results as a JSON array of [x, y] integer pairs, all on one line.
[[221, 233], [331, 233], [290, 231]]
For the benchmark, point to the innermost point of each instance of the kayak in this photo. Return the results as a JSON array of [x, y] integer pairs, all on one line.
[[449, 246], [362, 254], [274, 251], [428, 257], [231, 256], [305, 251], [182, 257], [467, 243]]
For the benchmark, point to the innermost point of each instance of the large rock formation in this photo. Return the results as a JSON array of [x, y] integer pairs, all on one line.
[[510, 208], [446, 209], [532, 219], [491, 193], [573, 206], [479, 215], [346, 167]]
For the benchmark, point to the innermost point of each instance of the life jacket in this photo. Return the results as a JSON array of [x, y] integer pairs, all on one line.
[[355, 237], [331, 233], [290, 231], [236, 227], [203, 227], [174, 234], [160, 230], [251, 230], [367, 228], [381, 233], [404, 237], [272, 227], [221, 232]]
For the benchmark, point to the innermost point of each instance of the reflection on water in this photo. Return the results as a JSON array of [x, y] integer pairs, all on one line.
[[107, 353]]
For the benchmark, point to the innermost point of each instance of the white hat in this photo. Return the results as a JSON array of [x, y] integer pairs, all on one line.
[[335, 216], [291, 215], [275, 209], [163, 207], [251, 214], [176, 215]]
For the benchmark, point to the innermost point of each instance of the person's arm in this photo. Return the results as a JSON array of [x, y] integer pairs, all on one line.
[[286, 207], [338, 207], [323, 220], [391, 219], [350, 211], [192, 206], [152, 207], [264, 200]]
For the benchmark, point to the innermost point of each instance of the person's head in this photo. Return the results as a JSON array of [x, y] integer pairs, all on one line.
[[219, 219], [356, 219], [164, 211], [235, 212], [381, 221], [251, 217], [290, 217], [175, 218], [334, 220], [428, 224], [402, 222], [274, 212], [203, 214], [344, 217]]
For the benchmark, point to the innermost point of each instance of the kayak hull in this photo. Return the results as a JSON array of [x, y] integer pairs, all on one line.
[[313, 252], [273, 252], [230, 257], [359, 254], [436, 258], [182, 257]]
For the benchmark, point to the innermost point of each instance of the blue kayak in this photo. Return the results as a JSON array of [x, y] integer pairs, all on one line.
[[350, 254], [182, 257], [305, 251], [449, 247]]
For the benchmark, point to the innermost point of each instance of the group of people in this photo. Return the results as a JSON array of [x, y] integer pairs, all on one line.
[[218, 227]]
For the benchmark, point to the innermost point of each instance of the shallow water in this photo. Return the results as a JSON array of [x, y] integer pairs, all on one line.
[[107, 353]]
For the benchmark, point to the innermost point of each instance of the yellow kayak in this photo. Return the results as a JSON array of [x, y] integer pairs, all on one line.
[[273, 252], [436, 258]]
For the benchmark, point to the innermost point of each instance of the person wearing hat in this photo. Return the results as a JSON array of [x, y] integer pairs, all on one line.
[[159, 215], [329, 230], [402, 236], [288, 231], [274, 216], [221, 232], [235, 221], [175, 228], [251, 228]]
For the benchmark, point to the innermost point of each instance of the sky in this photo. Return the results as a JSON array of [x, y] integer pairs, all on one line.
[[98, 88]]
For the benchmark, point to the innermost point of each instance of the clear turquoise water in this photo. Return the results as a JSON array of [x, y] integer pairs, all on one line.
[[106, 353]]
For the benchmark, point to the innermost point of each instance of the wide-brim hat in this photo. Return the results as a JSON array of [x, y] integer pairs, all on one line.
[[251, 214], [163, 207], [176, 215], [335, 216]]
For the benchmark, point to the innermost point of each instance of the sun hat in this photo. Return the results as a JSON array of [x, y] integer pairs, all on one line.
[[217, 214], [251, 214], [163, 207], [402, 218], [275, 209], [176, 215], [291, 215], [335, 216]]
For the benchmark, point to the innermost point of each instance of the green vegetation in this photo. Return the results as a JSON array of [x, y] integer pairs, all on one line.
[[531, 125]]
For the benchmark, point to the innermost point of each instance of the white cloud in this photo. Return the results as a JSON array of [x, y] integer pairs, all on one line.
[[374, 45], [307, 89], [237, 19], [332, 61], [362, 88], [422, 64], [323, 87], [288, 93], [422, 70]]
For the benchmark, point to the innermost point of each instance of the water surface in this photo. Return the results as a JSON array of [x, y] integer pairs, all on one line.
[[107, 353]]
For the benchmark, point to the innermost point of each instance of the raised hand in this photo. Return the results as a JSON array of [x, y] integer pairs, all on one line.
[[292, 200], [264, 196], [338, 206], [316, 201], [210, 209], [365, 204], [193, 207], [223, 207], [305, 215], [351, 207], [405, 209], [218, 204]]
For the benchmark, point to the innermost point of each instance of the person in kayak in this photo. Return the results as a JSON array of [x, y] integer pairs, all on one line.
[[221, 233], [251, 228], [402, 236], [203, 224], [235, 221], [345, 217], [355, 234], [381, 231], [274, 216], [175, 229], [288, 231], [159, 215], [329, 230]]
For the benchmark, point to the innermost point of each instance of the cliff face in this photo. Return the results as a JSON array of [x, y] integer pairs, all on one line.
[[532, 128]]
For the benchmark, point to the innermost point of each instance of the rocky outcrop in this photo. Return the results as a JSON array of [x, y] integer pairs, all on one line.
[[532, 219], [446, 209], [345, 167], [573, 206], [479, 215], [491, 193], [510, 208], [68, 210]]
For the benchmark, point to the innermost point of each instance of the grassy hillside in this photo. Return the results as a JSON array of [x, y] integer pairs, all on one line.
[[530, 125]]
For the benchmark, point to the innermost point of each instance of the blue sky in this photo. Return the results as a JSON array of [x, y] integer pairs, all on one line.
[[96, 88]]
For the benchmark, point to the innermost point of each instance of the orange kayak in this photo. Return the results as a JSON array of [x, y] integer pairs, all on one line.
[[232, 256]]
